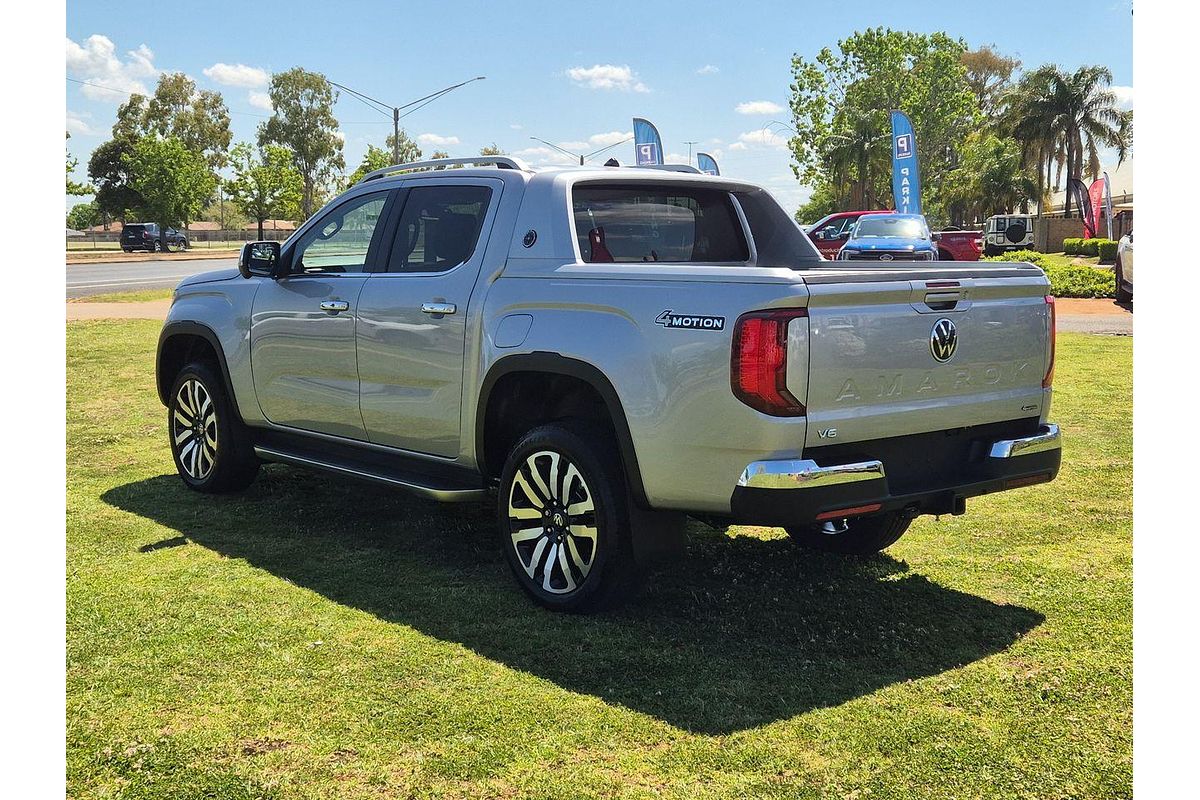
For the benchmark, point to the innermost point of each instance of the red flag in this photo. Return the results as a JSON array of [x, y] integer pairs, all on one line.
[[1096, 196]]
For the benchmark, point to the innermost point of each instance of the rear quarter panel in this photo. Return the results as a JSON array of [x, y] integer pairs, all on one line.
[[692, 437]]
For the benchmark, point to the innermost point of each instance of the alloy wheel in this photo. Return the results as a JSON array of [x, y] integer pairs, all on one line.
[[194, 429], [552, 522]]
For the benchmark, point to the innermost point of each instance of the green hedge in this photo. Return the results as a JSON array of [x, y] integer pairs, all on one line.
[[1107, 250], [1067, 280]]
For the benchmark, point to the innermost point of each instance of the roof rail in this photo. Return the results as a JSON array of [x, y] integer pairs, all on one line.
[[501, 162]]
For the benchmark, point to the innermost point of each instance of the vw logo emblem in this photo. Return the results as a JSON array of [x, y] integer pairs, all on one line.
[[943, 340], [886, 257]]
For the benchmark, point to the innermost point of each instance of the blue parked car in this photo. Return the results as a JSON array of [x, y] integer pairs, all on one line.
[[890, 237]]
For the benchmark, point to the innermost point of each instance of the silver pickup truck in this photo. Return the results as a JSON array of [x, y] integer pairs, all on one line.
[[604, 351]]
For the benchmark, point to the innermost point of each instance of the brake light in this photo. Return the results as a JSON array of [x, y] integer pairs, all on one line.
[[758, 370], [145, 234], [1049, 379]]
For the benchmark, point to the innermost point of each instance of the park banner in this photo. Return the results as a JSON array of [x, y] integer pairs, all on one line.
[[1096, 196], [906, 176], [1108, 203], [707, 164], [1077, 191], [647, 145]]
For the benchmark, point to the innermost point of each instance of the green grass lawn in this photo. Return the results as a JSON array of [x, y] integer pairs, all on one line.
[[139, 296], [316, 637]]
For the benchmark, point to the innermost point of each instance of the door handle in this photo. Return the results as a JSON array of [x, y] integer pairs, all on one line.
[[439, 308], [334, 306]]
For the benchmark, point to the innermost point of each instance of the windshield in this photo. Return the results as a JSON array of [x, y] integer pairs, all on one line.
[[897, 227]]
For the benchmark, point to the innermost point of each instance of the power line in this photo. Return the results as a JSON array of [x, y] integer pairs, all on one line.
[[131, 94], [413, 106]]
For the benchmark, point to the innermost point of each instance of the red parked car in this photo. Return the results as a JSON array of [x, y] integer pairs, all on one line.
[[832, 231]]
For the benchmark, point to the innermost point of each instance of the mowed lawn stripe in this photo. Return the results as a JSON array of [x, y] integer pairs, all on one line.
[[318, 637]]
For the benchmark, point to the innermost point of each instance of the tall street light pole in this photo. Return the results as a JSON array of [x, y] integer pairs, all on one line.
[[415, 105]]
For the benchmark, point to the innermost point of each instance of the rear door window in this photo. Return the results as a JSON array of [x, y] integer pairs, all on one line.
[[635, 224], [439, 228]]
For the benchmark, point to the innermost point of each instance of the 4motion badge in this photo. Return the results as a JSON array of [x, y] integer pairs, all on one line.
[[669, 319]]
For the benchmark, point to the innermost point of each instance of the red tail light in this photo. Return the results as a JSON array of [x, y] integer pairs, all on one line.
[[759, 366], [1049, 379]]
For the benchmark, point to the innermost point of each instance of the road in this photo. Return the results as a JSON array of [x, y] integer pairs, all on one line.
[[130, 276]]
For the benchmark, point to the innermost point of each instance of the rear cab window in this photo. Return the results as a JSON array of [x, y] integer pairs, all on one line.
[[641, 223]]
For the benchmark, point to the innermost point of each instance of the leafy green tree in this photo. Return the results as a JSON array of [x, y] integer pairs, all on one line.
[[109, 171], [72, 186], [375, 158], [408, 150], [174, 181], [265, 185], [303, 122], [199, 119], [492, 149], [83, 215], [840, 103], [991, 178]]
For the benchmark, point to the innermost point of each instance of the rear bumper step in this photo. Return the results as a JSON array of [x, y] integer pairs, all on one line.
[[799, 491]]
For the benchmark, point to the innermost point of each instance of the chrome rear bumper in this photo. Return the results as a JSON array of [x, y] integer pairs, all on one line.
[[805, 474], [1048, 438], [972, 465]]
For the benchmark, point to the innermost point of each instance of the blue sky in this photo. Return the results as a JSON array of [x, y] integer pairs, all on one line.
[[572, 73]]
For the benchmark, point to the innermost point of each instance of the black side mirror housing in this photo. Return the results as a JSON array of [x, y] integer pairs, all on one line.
[[937, 237], [259, 258], [844, 235]]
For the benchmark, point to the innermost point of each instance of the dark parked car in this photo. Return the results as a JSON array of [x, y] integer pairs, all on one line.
[[146, 236]]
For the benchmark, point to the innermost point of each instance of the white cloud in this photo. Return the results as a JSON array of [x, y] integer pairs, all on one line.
[[605, 139], [260, 100], [544, 156], [516, 127], [607, 76], [96, 62], [758, 107], [434, 140], [1124, 95], [761, 137], [708, 69], [77, 125], [238, 75]]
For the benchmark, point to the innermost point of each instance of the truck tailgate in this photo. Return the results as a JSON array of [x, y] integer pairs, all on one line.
[[901, 352]]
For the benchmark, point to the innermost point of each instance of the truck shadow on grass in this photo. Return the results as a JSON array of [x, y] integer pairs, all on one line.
[[738, 633]]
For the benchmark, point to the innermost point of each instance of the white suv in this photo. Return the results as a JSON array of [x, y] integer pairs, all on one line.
[[1007, 232]]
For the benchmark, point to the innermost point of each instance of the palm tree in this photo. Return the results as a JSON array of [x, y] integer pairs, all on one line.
[[1060, 119]]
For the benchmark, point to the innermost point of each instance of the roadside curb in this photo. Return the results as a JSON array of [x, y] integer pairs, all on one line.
[[191, 255]]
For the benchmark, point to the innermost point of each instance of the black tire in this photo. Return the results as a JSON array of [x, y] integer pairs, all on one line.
[[989, 251], [150, 248], [1015, 232], [183, 244], [944, 255], [560, 560], [126, 249], [1123, 295], [211, 449], [858, 536]]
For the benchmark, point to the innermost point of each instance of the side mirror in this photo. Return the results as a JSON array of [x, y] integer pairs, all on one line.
[[937, 237], [259, 258], [844, 235]]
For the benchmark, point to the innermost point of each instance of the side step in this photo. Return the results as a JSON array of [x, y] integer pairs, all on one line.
[[444, 483]]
